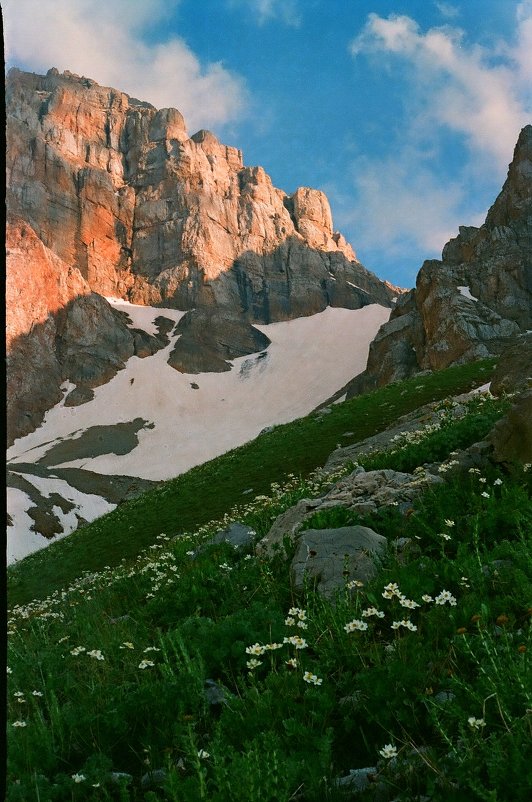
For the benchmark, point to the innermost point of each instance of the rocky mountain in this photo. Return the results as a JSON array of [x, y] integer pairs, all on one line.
[[160, 296], [472, 303], [109, 197]]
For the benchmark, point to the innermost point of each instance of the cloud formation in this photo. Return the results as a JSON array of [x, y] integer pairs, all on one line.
[[263, 11], [469, 90], [480, 97], [104, 40]]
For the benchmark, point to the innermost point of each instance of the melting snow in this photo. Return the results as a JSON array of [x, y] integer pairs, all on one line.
[[308, 360], [142, 317]]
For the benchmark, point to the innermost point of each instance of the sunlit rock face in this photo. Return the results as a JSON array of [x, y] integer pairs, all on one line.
[[116, 199], [473, 302]]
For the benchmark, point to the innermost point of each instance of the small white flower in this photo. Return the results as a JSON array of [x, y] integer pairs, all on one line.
[[151, 649], [410, 603], [295, 640], [292, 662], [78, 650], [146, 664], [78, 778], [474, 470], [427, 598], [302, 625], [271, 647], [354, 583], [497, 482], [483, 480], [255, 649], [388, 751], [312, 678], [126, 645], [253, 663], [356, 624], [190, 553], [449, 522], [476, 723], [203, 755], [290, 622], [18, 694], [36, 693], [444, 536], [445, 598], [485, 495], [96, 653], [20, 723], [9, 670], [370, 611]]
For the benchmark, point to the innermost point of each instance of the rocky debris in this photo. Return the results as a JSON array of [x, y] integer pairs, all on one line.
[[366, 492], [154, 778], [237, 535], [329, 558], [214, 693], [511, 437], [474, 301], [357, 780], [513, 372], [361, 491]]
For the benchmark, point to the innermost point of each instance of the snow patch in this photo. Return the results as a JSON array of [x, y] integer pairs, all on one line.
[[21, 540], [143, 317], [308, 360], [466, 292]]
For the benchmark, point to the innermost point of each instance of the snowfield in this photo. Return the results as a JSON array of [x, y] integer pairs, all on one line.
[[309, 359]]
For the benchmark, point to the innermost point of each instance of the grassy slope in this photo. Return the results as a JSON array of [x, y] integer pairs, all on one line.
[[210, 490], [110, 675]]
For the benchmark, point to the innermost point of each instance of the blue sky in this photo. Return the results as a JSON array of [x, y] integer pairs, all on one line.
[[404, 113]]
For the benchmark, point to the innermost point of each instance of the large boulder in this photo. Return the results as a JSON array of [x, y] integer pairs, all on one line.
[[511, 436], [329, 558]]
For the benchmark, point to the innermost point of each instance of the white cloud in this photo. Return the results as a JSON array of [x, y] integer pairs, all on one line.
[[401, 206], [447, 10], [264, 11], [448, 88], [103, 39], [469, 90]]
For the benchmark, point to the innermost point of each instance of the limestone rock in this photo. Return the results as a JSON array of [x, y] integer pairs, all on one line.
[[122, 202], [329, 558], [371, 490], [286, 525], [513, 372], [474, 301], [511, 436]]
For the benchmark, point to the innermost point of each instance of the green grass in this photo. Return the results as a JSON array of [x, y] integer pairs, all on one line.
[[209, 491], [451, 696]]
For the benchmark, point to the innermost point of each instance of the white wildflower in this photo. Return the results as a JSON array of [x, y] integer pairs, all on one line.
[[78, 778], [203, 755], [253, 663], [312, 678], [356, 624], [96, 653], [388, 751], [20, 723], [476, 723], [445, 598], [146, 664]]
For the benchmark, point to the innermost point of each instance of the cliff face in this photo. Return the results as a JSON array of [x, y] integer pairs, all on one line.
[[118, 200], [475, 300]]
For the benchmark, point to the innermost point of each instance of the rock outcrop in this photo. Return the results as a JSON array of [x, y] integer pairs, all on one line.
[[121, 201], [474, 301]]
